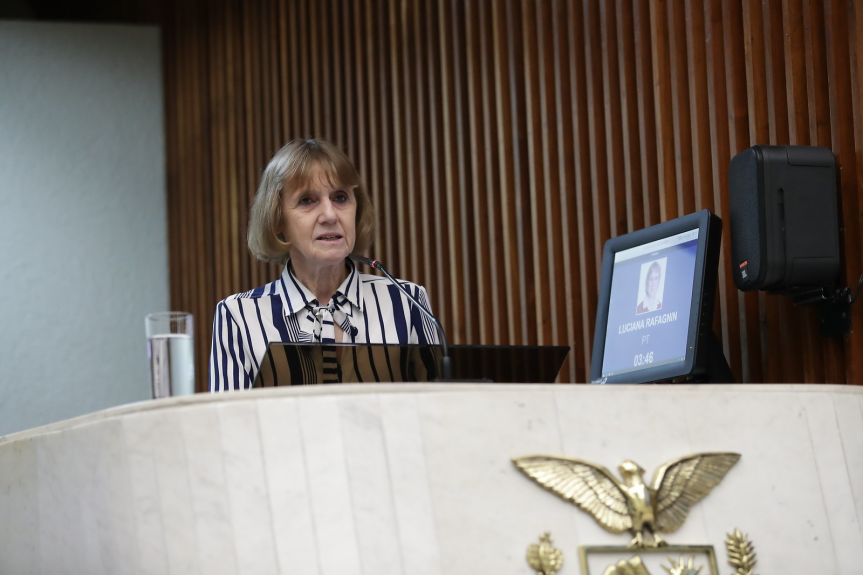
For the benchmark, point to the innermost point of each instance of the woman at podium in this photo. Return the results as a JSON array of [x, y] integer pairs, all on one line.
[[310, 212]]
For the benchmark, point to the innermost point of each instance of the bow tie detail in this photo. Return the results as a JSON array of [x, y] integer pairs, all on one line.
[[325, 317]]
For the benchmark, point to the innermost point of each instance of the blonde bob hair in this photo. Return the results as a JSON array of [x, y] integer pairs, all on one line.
[[291, 168]]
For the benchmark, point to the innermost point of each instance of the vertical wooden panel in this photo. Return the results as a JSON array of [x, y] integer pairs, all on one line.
[[720, 157], [855, 42], [467, 277], [454, 266], [437, 217], [818, 92], [696, 72], [566, 176], [386, 200], [409, 186], [519, 220], [495, 210], [681, 114], [397, 191], [664, 110], [542, 305], [338, 37], [503, 142], [425, 260], [759, 131], [595, 121], [647, 113], [176, 277], [481, 210], [798, 134], [702, 180], [504, 138], [777, 110], [630, 160], [839, 78], [619, 221], [198, 180], [581, 211], [737, 94], [551, 224], [350, 78]]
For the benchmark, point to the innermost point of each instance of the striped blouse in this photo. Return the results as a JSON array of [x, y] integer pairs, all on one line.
[[368, 308]]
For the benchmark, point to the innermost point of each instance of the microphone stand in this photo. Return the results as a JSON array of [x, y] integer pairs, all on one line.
[[446, 361]]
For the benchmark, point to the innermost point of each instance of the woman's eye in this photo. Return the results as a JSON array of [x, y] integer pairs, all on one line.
[[341, 198], [305, 201]]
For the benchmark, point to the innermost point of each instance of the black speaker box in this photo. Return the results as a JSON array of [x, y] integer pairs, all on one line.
[[784, 218]]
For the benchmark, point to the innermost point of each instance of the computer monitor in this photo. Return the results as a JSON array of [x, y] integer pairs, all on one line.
[[655, 311]]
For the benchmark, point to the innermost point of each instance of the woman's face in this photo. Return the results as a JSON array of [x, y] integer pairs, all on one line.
[[652, 283], [319, 220]]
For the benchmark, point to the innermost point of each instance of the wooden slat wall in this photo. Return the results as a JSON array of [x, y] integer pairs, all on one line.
[[505, 141]]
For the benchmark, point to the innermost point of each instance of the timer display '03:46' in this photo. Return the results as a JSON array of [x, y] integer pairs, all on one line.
[[643, 359]]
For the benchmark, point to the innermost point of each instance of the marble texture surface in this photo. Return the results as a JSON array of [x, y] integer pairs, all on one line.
[[417, 479]]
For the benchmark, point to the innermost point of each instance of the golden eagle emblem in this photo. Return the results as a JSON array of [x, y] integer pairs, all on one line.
[[631, 504]]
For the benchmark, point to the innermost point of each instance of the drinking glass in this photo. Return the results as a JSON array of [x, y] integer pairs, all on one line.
[[170, 346]]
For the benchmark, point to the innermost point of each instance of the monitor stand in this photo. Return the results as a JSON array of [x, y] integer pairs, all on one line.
[[718, 370]]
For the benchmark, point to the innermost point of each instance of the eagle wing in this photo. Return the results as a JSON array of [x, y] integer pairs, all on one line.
[[591, 487], [681, 483]]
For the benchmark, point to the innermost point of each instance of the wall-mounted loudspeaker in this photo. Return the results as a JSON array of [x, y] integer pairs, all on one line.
[[784, 218]]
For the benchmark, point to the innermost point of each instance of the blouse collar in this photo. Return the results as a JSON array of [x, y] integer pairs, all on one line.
[[296, 296]]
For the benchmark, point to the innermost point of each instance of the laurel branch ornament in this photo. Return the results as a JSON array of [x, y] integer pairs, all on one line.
[[741, 552]]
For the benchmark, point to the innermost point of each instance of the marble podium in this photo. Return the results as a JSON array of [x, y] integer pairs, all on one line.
[[417, 478]]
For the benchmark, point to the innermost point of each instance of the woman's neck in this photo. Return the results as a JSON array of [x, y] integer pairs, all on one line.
[[323, 281]]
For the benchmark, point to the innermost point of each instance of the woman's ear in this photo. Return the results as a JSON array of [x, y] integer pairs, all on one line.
[[279, 224]]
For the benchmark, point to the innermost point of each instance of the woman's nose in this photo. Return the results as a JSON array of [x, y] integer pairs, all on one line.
[[328, 211]]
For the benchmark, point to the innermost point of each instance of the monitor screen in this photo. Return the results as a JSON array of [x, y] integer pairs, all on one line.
[[652, 300], [649, 305]]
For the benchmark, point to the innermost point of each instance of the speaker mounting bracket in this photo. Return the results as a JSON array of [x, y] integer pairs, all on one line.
[[833, 304]]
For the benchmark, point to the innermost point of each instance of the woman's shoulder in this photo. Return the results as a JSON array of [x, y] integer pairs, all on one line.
[[264, 291]]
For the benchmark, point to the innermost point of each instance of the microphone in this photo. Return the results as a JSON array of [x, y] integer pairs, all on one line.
[[446, 361]]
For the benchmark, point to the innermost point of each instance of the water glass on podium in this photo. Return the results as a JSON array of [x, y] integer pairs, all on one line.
[[170, 346]]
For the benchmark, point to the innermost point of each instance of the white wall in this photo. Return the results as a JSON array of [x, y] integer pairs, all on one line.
[[83, 235]]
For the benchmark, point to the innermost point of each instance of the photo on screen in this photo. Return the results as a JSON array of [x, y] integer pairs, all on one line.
[[651, 286]]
